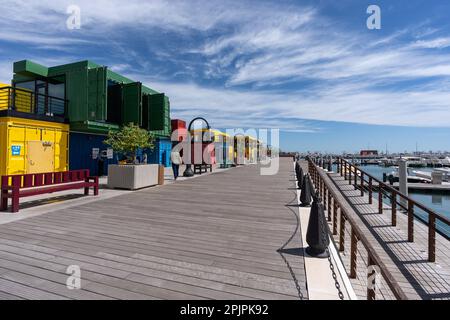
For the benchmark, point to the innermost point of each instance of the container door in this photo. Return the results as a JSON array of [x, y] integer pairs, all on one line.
[[157, 111], [132, 103], [40, 156], [97, 93], [145, 111]]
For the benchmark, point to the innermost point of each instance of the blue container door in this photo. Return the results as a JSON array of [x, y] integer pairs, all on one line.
[[161, 153], [81, 153]]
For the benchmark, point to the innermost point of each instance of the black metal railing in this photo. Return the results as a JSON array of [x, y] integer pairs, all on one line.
[[26, 101], [367, 183]]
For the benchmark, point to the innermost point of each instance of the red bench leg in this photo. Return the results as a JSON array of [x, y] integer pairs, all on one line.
[[86, 191], [4, 205], [96, 187], [15, 200]]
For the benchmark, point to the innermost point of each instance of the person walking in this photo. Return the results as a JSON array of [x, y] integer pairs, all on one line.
[[176, 160]]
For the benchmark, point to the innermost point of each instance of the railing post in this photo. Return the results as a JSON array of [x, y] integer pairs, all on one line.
[[356, 177], [344, 168], [342, 232], [410, 221], [353, 255], [349, 174], [370, 190], [362, 184], [325, 191], [370, 279], [335, 215], [380, 198], [337, 166], [329, 205], [432, 238], [394, 208]]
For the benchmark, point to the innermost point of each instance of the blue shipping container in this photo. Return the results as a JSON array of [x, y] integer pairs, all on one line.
[[161, 153], [81, 155]]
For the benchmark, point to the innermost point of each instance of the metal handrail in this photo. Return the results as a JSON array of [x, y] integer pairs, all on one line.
[[393, 193], [357, 235], [31, 102]]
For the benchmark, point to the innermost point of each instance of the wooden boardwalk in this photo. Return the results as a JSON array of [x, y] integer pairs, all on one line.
[[213, 237], [407, 261]]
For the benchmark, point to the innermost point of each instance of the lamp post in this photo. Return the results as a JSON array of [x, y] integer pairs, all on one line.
[[188, 172]]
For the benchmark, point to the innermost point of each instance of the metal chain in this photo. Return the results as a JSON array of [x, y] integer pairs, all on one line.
[[327, 233], [333, 273], [280, 250]]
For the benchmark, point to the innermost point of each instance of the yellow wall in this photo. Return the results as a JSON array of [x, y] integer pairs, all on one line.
[[18, 133]]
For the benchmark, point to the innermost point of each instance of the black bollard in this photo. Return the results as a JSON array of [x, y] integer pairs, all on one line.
[[317, 233], [188, 171], [305, 195], [297, 167], [300, 178], [330, 165]]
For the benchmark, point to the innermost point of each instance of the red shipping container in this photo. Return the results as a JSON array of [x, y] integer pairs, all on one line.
[[177, 124]]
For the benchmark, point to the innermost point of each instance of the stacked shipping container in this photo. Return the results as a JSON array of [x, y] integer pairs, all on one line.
[[99, 101]]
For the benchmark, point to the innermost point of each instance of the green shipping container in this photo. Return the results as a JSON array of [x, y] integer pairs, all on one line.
[[97, 94], [86, 89], [132, 103]]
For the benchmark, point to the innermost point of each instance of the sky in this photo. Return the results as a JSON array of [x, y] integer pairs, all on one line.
[[310, 68]]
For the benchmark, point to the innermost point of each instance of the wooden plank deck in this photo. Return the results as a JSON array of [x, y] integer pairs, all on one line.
[[213, 237], [407, 261]]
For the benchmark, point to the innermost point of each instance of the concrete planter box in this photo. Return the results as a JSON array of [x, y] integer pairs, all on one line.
[[132, 176]]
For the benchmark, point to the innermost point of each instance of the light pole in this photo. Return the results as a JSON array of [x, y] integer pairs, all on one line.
[[188, 172]]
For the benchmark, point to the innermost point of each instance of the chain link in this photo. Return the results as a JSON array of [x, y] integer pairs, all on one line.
[[280, 250], [327, 233]]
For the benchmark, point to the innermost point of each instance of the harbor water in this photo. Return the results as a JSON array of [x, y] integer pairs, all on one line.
[[438, 202]]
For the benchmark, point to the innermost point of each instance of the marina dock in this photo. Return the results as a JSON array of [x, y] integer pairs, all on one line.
[[213, 237], [404, 246], [232, 234]]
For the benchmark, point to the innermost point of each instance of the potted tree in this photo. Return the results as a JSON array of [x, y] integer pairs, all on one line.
[[127, 141]]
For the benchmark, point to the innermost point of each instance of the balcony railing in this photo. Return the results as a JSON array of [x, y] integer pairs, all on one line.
[[26, 101]]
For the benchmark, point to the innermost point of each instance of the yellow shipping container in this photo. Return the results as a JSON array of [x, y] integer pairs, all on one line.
[[32, 146]]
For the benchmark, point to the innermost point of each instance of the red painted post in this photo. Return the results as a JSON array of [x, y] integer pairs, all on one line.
[[4, 204]]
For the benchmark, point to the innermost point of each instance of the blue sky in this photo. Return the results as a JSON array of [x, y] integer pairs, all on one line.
[[310, 68]]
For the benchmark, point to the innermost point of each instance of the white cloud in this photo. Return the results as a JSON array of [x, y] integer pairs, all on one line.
[[437, 43], [257, 44]]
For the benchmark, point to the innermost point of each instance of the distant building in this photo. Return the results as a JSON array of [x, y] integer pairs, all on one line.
[[368, 153]]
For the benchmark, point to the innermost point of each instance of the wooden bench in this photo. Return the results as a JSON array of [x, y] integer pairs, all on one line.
[[200, 168], [26, 185]]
